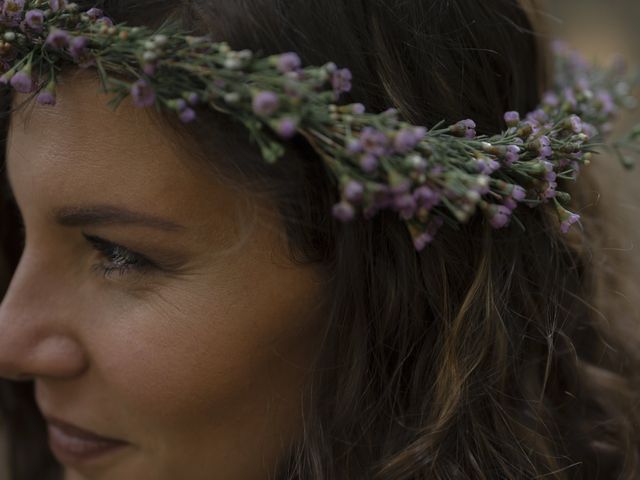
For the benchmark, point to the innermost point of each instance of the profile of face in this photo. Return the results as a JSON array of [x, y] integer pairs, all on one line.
[[142, 308]]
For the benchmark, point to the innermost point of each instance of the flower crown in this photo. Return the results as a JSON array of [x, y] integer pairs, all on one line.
[[427, 175]]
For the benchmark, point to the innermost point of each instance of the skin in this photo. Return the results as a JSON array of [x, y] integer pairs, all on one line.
[[199, 363]]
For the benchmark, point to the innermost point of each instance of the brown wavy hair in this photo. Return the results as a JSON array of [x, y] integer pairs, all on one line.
[[503, 354]]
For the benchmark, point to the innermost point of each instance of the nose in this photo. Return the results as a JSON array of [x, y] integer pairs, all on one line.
[[36, 338]]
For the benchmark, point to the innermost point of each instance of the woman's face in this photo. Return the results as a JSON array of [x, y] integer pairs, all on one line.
[[141, 308]]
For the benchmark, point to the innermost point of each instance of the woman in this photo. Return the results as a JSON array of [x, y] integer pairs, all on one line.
[[188, 311]]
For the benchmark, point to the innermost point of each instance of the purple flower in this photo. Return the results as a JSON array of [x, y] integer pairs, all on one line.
[[341, 81], [368, 162], [464, 128], [422, 240], [78, 47], [12, 8], [512, 119], [574, 123], [487, 165], [286, 128], [405, 140], [106, 20], [187, 115], [179, 104], [499, 216], [578, 61], [419, 133], [427, 236], [550, 176], [568, 221], [265, 103], [34, 18], [589, 130], [354, 146], [143, 94], [399, 184], [543, 146], [518, 193], [538, 116], [583, 84], [22, 81], [150, 69], [288, 62], [550, 190], [550, 99], [529, 128], [46, 97], [512, 155], [510, 203], [57, 38], [470, 125], [94, 13], [193, 98], [426, 197], [353, 191], [605, 100], [57, 5], [566, 217], [405, 204], [343, 211], [374, 141], [358, 109]]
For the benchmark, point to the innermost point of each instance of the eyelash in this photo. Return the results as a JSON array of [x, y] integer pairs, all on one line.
[[129, 261], [123, 261]]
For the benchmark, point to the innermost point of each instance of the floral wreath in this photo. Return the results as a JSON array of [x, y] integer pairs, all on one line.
[[428, 176]]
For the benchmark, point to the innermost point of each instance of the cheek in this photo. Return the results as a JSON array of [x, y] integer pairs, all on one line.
[[184, 355]]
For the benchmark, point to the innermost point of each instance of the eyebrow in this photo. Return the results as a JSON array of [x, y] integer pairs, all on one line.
[[108, 215], [93, 215]]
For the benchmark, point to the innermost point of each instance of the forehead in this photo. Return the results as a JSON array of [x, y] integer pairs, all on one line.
[[80, 150]]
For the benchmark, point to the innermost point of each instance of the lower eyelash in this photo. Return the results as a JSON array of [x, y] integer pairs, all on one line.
[[130, 262], [107, 271]]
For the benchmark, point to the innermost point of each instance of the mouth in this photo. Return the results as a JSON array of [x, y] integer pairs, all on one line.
[[76, 447]]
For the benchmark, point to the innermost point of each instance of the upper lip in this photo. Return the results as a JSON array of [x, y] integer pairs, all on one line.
[[76, 431]]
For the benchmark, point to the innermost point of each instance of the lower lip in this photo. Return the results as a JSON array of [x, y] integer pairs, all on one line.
[[75, 451]]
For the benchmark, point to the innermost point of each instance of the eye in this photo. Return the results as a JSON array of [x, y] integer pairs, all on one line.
[[118, 259]]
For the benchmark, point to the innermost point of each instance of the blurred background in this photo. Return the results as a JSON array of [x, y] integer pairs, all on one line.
[[600, 28]]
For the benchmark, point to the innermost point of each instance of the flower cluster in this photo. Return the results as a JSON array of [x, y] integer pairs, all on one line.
[[428, 176]]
